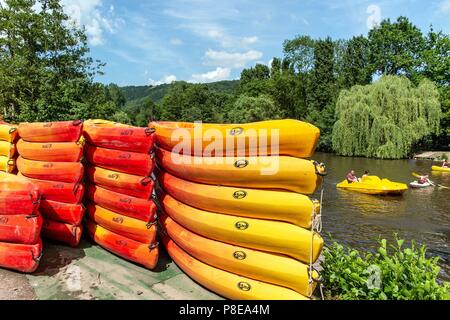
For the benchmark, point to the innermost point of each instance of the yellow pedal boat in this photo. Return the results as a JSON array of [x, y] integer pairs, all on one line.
[[440, 169], [374, 185]]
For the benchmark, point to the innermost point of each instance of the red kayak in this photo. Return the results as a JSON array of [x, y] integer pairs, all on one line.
[[140, 164], [18, 195], [144, 254], [59, 191], [65, 131], [23, 229], [20, 257], [120, 137], [141, 209], [132, 185], [62, 212], [70, 172], [61, 232]]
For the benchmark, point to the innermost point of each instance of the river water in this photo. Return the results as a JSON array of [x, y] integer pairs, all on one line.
[[359, 220]]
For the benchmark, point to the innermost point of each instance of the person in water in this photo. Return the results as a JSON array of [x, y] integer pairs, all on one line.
[[424, 179], [445, 164], [351, 177]]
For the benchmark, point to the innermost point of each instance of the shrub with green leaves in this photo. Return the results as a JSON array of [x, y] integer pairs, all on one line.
[[392, 273]]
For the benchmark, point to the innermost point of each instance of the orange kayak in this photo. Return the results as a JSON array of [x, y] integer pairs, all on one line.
[[64, 131], [62, 212], [132, 185], [59, 191], [62, 232], [7, 149], [18, 195], [125, 226], [124, 247], [7, 165], [51, 151], [20, 257], [129, 206], [289, 137], [71, 172], [24, 229], [8, 132], [119, 137], [259, 265], [224, 283], [140, 164]]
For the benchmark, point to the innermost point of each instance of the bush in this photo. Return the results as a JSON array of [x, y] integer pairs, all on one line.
[[401, 274]]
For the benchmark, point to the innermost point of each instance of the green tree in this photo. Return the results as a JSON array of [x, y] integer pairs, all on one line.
[[251, 109], [45, 71], [385, 119], [355, 63], [395, 48]]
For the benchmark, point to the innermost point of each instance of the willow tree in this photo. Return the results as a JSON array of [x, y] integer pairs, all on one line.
[[384, 119]]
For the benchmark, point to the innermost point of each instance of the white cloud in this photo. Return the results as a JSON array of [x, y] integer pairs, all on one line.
[[249, 40], [231, 60], [374, 18], [212, 76], [444, 6], [176, 41], [96, 21], [166, 79]]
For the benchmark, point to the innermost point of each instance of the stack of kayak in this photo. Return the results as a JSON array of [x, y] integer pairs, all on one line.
[[8, 139], [237, 219], [20, 224], [50, 157], [122, 214]]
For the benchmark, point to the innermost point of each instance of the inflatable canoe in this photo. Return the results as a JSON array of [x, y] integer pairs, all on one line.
[[125, 226], [70, 172], [252, 203], [18, 195], [140, 164], [132, 185], [65, 131], [285, 173], [7, 165], [440, 169], [8, 132], [374, 185], [272, 268], [290, 138], [62, 232], [62, 212], [23, 229], [137, 208], [140, 253], [227, 284], [59, 191], [51, 151], [7, 149], [20, 257], [417, 185], [118, 136], [266, 235]]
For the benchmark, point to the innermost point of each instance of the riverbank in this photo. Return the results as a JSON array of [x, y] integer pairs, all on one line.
[[432, 155]]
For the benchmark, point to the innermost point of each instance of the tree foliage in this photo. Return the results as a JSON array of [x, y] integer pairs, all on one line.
[[385, 119]]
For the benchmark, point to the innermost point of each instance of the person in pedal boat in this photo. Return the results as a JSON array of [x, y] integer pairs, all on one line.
[[366, 174], [445, 164], [423, 179], [351, 177]]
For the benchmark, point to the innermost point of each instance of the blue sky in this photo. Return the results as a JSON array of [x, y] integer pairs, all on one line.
[[154, 42]]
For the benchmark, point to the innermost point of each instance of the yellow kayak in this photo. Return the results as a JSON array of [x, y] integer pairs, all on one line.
[[7, 149], [374, 185], [8, 132], [440, 169], [253, 203], [291, 137], [224, 283], [7, 164], [266, 235], [263, 266], [277, 172]]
